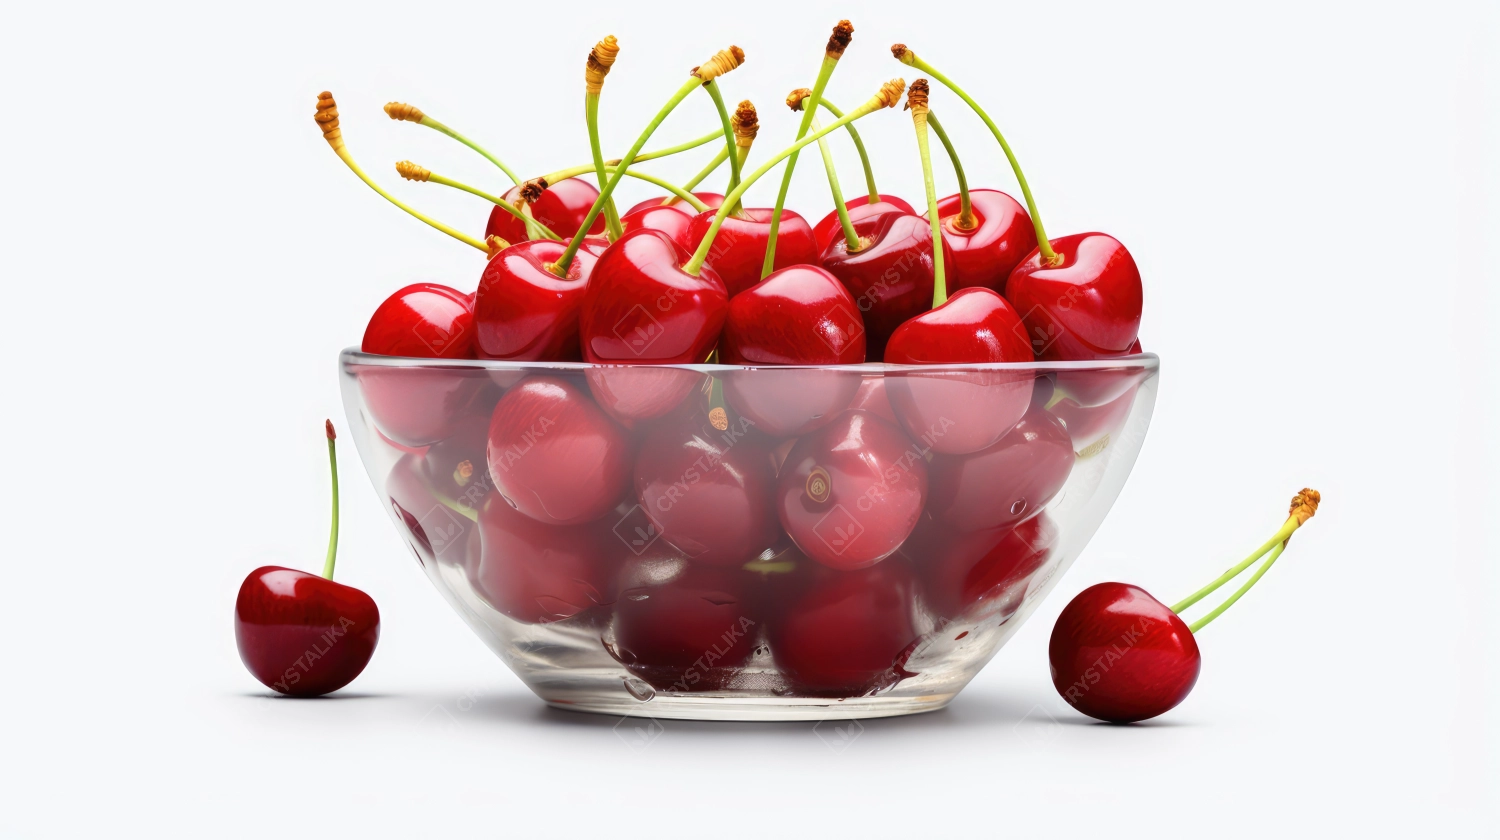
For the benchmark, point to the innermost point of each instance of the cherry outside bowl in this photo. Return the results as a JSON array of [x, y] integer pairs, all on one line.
[[703, 564]]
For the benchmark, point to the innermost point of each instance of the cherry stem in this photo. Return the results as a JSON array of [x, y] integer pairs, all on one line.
[[443, 129], [412, 172], [584, 169], [1049, 257], [561, 266], [851, 239], [695, 264], [728, 127], [939, 281], [333, 531], [678, 193], [809, 109], [706, 171], [859, 146], [1203, 622], [591, 116], [456, 234], [965, 219]]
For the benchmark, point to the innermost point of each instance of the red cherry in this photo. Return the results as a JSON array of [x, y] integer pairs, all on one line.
[[959, 412], [1011, 480], [847, 632], [554, 455], [830, 228], [654, 216], [537, 573], [871, 397], [851, 492], [739, 249], [685, 627], [891, 278], [986, 254], [423, 320], [1120, 655], [423, 491], [525, 312], [301, 634], [713, 201], [1088, 306], [562, 207], [1090, 426], [983, 575], [640, 307], [800, 315], [707, 491]]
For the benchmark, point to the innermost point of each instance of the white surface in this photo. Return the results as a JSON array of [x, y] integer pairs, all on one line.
[[1311, 194]]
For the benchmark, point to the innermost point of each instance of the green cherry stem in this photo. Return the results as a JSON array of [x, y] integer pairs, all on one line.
[[916, 102], [965, 220], [729, 145], [825, 71], [722, 62], [333, 530], [706, 171], [1304, 506], [586, 168], [889, 95], [909, 58], [851, 239], [411, 113], [412, 172], [794, 101], [601, 58], [678, 193]]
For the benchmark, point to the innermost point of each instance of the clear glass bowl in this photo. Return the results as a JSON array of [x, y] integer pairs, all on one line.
[[737, 543]]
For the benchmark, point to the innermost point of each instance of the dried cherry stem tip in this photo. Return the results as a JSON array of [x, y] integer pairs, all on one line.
[[904, 55], [333, 531], [916, 102], [887, 97], [1304, 506], [327, 117], [601, 58], [410, 113]]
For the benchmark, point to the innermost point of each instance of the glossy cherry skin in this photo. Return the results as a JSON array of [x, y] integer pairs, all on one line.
[[1091, 427], [1088, 306], [708, 492], [525, 312], [667, 219], [830, 228], [640, 307], [1011, 480], [983, 575], [869, 484], [799, 315], [846, 632], [553, 455], [1120, 655], [739, 249], [961, 411], [301, 634], [891, 278], [986, 254], [423, 490], [562, 207], [713, 201], [682, 626], [871, 397], [423, 320], [537, 573]]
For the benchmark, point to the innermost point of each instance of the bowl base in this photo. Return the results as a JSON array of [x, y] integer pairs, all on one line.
[[730, 707]]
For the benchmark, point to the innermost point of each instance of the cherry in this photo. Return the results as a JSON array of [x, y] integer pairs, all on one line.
[[960, 411], [707, 491], [537, 573], [562, 207], [1011, 480], [523, 310], [846, 633], [1120, 655], [554, 455], [1085, 305], [656, 216], [301, 634], [1091, 427], [891, 277], [423, 320], [641, 307], [871, 397], [828, 229], [983, 575], [851, 492], [436, 495], [985, 254], [739, 248], [685, 627], [800, 315]]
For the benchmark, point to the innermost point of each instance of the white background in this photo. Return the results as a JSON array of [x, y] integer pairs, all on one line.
[[1311, 193]]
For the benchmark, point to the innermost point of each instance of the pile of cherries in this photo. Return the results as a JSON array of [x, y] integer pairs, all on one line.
[[795, 507]]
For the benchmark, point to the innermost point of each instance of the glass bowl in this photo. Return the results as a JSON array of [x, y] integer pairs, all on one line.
[[746, 543]]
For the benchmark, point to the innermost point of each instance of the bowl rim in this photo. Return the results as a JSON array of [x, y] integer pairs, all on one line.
[[354, 357]]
